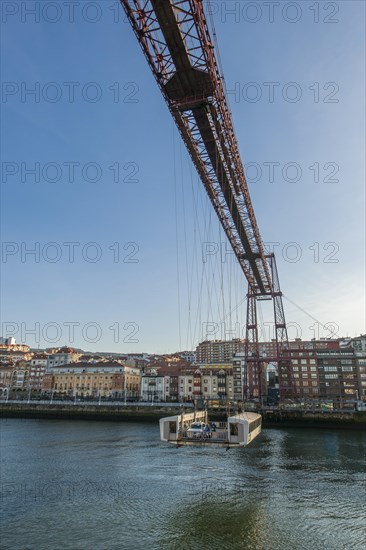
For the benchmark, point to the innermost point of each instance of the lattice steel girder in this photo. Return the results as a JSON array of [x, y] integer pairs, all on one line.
[[253, 366], [176, 41], [284, 365]]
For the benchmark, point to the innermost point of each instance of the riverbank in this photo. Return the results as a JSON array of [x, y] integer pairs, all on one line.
[[148, 413]]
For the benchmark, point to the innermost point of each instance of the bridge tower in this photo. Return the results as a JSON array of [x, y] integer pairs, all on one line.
[[175, 38]]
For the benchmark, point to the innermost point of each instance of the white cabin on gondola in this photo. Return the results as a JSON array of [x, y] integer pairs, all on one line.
[[194, 429]]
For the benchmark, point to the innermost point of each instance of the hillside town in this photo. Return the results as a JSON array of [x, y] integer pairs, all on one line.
[[326, 370]]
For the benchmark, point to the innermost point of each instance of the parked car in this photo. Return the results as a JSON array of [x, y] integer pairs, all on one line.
[[199, 429]]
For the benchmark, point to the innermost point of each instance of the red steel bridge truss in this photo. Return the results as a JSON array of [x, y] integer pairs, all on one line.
[[175, 39]]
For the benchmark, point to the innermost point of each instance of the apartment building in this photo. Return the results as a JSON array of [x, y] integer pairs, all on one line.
[[104, 379]]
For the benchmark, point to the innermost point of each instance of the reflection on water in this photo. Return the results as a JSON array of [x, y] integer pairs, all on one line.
[[99, 485]]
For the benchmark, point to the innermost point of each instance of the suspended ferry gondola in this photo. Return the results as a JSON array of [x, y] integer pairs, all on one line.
[[194, 429]]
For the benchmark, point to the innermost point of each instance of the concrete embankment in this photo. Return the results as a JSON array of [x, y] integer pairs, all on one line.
[[319, 419], [148, 413], [65, 411]]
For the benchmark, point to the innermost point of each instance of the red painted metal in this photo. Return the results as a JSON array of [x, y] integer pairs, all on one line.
[[175, 39]]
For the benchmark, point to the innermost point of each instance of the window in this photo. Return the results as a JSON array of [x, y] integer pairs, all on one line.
[[295, 368], [303, 361], [313, 368], [330, 368], [331, 376]]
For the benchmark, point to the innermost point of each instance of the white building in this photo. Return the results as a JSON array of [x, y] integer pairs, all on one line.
[[62, 357], [155, 388]]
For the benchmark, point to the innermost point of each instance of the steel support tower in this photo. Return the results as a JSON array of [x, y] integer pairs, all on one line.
[[175, 38]]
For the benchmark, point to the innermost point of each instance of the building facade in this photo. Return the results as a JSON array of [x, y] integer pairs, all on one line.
[[218, 351], [63, 356], [155, 387], [93, 380]]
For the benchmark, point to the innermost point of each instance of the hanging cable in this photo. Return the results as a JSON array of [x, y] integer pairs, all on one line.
[[311, 317], [177, 236]]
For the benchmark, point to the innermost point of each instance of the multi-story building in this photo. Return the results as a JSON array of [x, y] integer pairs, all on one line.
[[8, 355], [238, 365], [218, 351], [38, 365], [361, 368], [206, 383], [304, 372], [6, 379], [359, 346], [21, 376], [155, 387], [63, 356], [338, 374], [105, 379]]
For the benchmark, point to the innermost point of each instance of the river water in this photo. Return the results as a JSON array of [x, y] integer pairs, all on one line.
[[113, 485]]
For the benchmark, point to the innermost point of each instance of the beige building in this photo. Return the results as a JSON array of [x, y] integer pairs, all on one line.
[[207, 383], [6, 379], [63, 356], [108, 380]]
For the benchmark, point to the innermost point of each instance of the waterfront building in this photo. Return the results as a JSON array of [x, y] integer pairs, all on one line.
[[238, 375], [6, 378], [206, 383], [38, 365], [359, 346], [155, 387], [21, 376], [361, 371], [92, 380], [338, 376], [305, 371]]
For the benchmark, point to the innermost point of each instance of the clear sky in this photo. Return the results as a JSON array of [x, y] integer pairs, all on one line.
[[109, 168]]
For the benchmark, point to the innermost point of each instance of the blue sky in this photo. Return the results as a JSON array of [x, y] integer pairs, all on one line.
[[160, 294]]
